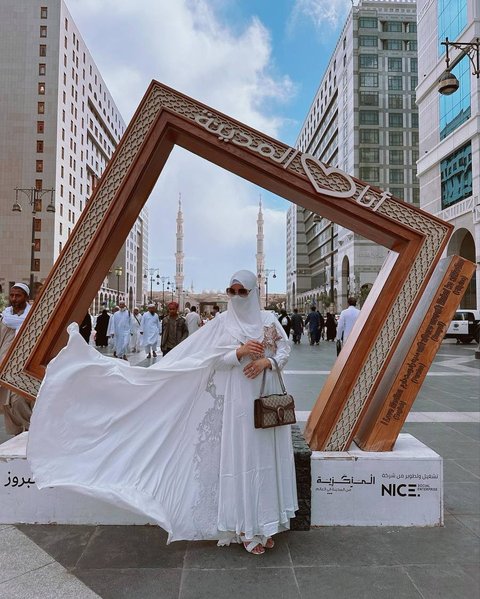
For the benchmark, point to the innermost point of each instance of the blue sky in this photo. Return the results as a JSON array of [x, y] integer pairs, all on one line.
[[259, 61]]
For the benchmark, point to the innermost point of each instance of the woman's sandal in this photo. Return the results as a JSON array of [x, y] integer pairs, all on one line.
[[269, 543], [254, 546]]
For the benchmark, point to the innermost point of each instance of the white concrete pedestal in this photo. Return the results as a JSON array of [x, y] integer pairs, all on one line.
[[22, 502], [403, 487]]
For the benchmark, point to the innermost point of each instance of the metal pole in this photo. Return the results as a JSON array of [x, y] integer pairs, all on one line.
[[332, 269], [118, 289]]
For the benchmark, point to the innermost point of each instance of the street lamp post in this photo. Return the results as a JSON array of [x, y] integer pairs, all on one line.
[[151, 272], [118, 272], [448, 83], [163, 279], [34, 197], [268, 272]]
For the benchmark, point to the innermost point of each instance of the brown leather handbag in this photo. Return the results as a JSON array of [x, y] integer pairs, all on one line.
[[276, 409]]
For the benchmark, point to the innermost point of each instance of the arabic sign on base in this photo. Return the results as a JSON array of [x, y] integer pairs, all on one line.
[[22, 502], [403, 487]]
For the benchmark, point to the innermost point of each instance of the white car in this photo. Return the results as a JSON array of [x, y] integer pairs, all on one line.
[[465, 326]]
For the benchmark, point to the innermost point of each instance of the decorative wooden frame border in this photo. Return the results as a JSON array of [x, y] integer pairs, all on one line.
[[166, 118]]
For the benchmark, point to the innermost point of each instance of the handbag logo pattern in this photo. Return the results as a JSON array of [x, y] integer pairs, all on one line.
[[276, 409]]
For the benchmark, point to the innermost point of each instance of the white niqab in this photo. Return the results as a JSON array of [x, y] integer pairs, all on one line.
[[244, 320]]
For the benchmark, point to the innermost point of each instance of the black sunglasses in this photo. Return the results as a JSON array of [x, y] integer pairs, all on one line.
[[240, 292]]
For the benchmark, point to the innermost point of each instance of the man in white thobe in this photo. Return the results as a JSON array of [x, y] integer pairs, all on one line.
[[111, 338], [122, 330], [193, 320], [150, 329], [16, 409], [136, 327], [347, 319]]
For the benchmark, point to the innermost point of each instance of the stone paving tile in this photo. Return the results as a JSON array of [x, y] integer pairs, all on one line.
[[19, 555], [470, 430], [63, 542], [360, 582], [462, 498], [133, 583], [470, 464], [131, 547], [48, 582], [440, 582], [455, 473], [450, 544], [206, 555], [278, 583], [471, 522], [339, 546]]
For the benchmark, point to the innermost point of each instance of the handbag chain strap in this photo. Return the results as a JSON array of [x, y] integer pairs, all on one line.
[[282, 384]]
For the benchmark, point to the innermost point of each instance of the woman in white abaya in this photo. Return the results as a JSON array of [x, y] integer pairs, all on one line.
[[176, 441]]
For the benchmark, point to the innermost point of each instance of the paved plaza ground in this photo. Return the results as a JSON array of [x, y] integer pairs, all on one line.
[[117, 562]]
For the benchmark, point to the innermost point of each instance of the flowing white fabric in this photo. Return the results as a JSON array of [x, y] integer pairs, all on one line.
[[175, 441]]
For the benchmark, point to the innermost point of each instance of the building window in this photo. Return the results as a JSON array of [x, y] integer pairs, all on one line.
[[392, 26], [368, 22], [395, 119], [40, 126], [41, 107], [41, 89], [411, 45], [416, 195], [413, 83], [395, 64], [36, 245], [368, 117], [415, 120], [370, 173], [39, 146], [39, 166], [368, 98], [413, 65], [42, 50], [42, 69], [411, 27], [368, 79], [37, 224], [452, 19], [455, 109], [395, 101], [44, 12], [395, 157], [36, 264], [370, 155], [395, 82], [392, 44], [369, 136], [398, 192], [368, 41], [368, 61], [43, 31], [456, 176], [396, 175]]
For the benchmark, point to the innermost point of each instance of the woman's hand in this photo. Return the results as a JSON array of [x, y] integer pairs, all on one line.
[[254, 368], [251, 349]]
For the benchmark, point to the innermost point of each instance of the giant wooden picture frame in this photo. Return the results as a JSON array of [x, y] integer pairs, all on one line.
[[166, 118]]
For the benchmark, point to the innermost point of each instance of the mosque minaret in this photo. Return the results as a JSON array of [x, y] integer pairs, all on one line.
[[260, 255], [179, 255]]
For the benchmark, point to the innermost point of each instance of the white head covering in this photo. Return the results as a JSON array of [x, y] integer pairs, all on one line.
[[23, 287], [243, 319]]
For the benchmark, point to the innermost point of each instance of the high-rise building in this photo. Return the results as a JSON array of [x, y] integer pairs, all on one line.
[[449, 163], [59, 126], [364, 121]]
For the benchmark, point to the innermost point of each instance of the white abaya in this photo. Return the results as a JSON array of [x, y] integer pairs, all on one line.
[[175, 442]]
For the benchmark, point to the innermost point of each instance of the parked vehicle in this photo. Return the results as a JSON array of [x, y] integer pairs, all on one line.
[[465, 326]]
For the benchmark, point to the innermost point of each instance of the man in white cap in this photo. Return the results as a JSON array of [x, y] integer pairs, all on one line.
[[136, 324], [16, 409], [150, 329], [122, 330]]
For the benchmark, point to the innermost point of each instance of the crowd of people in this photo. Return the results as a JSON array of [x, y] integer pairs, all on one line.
[[124, 331], [319, 327]]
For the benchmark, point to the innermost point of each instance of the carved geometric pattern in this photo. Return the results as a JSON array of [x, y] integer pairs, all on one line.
[[314, 184]]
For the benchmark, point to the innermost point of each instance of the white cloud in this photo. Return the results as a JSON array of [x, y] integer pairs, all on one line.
[[322, 13], [184, 44]]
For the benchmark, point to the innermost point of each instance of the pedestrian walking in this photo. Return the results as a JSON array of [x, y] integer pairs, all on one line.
[[174, 329], [86, 327], [313, 321], [101, 327], [297, 326], [136, 340], [331, 327], [347, 319], [122, 330], [284, 320], [193, 320], [150, 330]]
